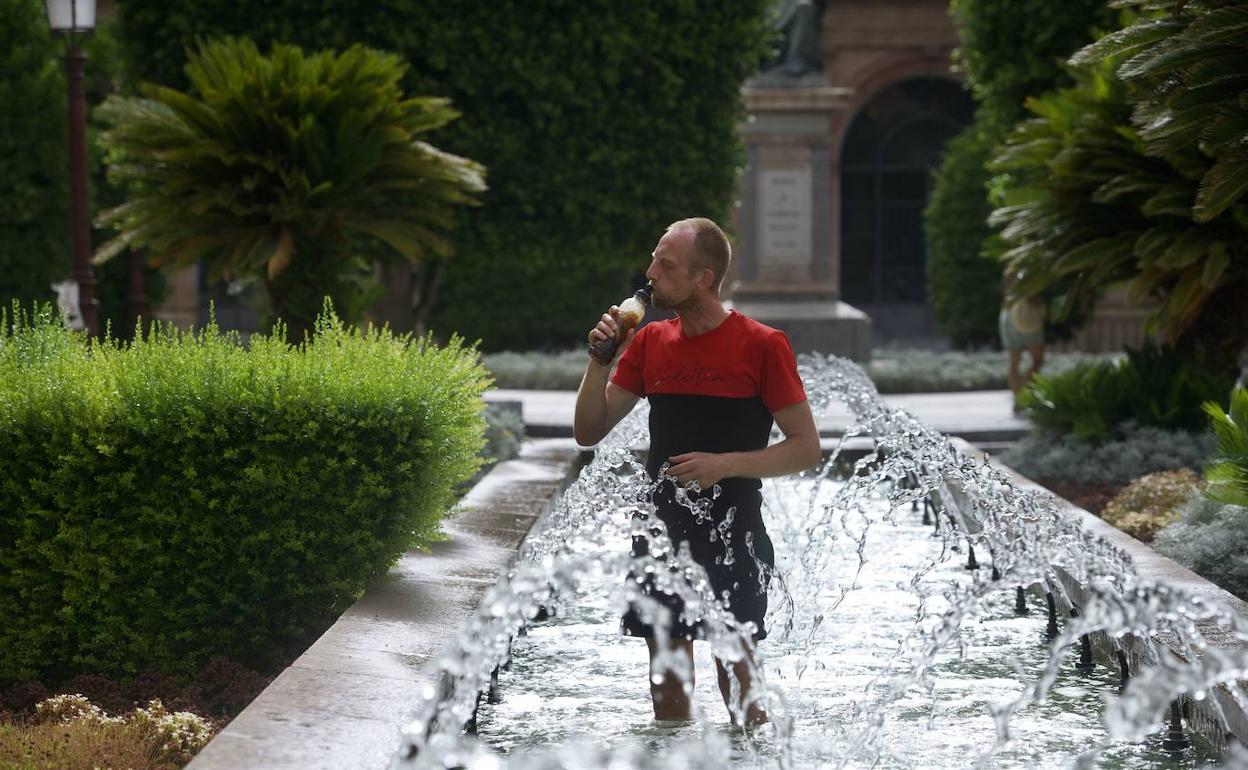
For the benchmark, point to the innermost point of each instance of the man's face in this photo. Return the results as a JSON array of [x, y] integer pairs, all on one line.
[[674, 283]]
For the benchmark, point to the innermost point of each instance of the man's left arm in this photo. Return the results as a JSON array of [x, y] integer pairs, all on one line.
[[797, 452]]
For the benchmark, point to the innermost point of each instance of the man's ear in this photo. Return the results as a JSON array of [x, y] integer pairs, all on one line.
[[706, 278]]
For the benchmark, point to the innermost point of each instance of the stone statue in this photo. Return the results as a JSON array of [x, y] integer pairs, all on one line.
[[798, 22]]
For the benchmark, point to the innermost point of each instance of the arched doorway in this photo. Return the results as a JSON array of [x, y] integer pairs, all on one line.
[[887, 158]]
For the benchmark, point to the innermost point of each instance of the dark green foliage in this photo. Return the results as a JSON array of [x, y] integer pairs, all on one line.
[[1155, 387], [1007, 52], [600, 123], [1210, 539], [1135, 175], [964, 286], [34, 162], [34, 177], [1228, 471], [186, 497], [268, 165]]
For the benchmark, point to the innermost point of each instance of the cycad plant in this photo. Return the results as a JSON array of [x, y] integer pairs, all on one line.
[[287, 168], [1086, 206], [1187, 62], [1228, 471], [1152, 387]]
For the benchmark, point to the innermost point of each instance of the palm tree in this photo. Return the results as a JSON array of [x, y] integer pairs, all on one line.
[[287, 168]]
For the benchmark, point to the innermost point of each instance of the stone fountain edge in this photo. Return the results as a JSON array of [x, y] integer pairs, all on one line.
[[1153, 566]]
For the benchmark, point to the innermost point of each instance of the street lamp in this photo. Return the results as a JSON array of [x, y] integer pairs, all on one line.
[[71, 19]]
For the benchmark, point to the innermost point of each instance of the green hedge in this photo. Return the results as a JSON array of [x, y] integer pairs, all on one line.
[[188, 497], [599, 123]]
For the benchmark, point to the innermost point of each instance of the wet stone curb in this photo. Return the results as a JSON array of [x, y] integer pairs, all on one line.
[[343, 703]]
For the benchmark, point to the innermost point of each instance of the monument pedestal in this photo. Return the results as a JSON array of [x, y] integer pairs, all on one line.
[[824, 325], [785, 273]]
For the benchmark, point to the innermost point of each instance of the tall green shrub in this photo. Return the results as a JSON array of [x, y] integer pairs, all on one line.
[[965, 288], [600, 123], [186, 497], [1006, 52], [34, 177]]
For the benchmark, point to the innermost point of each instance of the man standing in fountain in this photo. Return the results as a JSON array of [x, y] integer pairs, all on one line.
[[716, 381]]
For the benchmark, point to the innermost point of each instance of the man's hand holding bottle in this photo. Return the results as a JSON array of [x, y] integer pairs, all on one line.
[[617, 327]]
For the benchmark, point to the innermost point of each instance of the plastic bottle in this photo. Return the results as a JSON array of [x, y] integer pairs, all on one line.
[[632, 310]]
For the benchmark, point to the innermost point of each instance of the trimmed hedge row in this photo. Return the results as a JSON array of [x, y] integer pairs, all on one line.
[[186, 497]]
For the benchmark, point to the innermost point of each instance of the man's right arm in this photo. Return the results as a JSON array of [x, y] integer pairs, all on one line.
[[600, 404]]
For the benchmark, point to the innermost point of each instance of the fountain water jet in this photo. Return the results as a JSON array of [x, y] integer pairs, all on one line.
[[1031, 544]]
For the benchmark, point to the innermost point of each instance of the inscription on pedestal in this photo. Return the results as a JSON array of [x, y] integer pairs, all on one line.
[[784, 217]]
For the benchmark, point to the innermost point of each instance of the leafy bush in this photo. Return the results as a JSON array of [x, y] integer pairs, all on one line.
[[562, 106], [185, 497], [1152, 386], [1151, 502], [1210, 539], [1086, 206], [1228, 471], [1139, 451]]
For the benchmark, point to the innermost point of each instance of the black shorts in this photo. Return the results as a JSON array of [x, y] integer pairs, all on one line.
[[738, 559]]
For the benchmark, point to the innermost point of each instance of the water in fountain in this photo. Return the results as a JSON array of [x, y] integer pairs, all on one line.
[[875, 624]]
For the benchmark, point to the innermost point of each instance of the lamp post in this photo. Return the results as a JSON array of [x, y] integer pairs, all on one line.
[[71, 19]]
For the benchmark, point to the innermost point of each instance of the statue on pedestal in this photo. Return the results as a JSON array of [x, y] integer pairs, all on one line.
[[798, 21]]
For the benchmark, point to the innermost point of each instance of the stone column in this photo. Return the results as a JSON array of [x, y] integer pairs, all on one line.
[[786, 261]]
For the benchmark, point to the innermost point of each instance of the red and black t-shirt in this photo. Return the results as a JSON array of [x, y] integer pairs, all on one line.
[[714, 392]]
